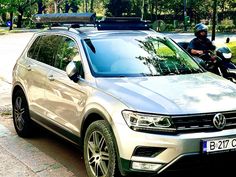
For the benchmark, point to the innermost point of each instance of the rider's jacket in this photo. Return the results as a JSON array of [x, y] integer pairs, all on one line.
[[201, 44]]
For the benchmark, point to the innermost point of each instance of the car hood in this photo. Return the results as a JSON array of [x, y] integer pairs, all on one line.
[[174, 94]]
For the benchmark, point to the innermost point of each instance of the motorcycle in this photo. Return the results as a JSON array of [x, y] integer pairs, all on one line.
[[218, 61]]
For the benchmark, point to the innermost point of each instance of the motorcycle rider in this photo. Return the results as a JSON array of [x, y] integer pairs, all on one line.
[[203, 48], [201, 44]]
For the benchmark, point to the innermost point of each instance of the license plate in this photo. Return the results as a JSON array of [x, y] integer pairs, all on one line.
[[217, 145]]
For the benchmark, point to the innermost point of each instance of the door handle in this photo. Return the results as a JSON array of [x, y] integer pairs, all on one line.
[[29, 67], [51, 78]]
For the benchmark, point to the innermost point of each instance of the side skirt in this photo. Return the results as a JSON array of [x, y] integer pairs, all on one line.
[[56, 129]]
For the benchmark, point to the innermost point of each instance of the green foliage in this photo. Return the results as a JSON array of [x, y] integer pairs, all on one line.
[[153, 10], [232, 46], [159, 25], [118, 7], [226, 25]]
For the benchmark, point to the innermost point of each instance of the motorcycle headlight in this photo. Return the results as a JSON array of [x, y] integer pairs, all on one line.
[[148, 122], [227, 55]]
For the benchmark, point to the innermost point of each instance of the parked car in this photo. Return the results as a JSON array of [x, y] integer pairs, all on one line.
[[131, 97]]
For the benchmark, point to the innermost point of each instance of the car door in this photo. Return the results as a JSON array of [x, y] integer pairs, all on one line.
[[65, 98], [39, 57]]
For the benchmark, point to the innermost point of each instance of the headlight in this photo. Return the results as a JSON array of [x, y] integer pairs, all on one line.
[[227, 55], [148, 122]]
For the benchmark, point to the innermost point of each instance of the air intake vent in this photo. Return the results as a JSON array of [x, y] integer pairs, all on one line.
[[148, 151]]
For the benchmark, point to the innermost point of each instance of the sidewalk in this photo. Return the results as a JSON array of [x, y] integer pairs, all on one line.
[[19, 158], [5, 97]]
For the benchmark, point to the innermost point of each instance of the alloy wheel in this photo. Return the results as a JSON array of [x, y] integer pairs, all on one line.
[[98, 155]]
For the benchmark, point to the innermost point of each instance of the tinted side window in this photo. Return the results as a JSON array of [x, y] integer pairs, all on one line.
[[48, 49], [67, 51], [33, 51]]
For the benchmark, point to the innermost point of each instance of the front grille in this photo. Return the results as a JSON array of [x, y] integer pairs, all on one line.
[[200, 122]]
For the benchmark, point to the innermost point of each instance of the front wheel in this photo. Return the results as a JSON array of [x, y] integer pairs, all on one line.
[[99, 150]]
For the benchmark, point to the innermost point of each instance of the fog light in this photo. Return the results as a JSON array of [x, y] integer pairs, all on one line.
[[146, 166]]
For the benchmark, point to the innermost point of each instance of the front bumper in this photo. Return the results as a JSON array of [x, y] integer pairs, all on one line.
[[169, 152]]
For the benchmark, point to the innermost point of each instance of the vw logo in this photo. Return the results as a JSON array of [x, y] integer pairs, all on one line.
[[219, 121]]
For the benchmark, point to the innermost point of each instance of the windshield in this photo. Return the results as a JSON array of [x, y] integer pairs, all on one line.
[[129, 56]]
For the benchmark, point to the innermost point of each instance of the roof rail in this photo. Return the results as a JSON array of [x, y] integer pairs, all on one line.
[[123, 23], [64, 28], [65, 18]]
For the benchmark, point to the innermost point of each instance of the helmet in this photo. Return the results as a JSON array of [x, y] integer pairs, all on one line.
[[224, 53], [199, 28]]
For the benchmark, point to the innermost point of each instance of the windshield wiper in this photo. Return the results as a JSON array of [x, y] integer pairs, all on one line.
[[150, 74], [167, 72], [190, 71]]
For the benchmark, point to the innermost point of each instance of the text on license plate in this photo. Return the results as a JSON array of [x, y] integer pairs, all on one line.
[[219, 145]]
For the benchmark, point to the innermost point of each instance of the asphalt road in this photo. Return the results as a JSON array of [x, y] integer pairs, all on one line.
[[11, 46], [47, 154]]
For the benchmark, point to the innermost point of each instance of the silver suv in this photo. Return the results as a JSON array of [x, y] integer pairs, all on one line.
[[130, 96]]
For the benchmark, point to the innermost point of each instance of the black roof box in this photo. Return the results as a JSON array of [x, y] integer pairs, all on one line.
[[123, 23], [65, 18]]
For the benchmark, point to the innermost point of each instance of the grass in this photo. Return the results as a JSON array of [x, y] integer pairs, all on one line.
[[232, 46], [2, 32], [5, 111]]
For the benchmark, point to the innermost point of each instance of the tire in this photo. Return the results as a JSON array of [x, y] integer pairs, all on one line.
[[99, 150], [21, 117]]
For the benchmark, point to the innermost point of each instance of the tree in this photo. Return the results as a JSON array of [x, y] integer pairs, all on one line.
[[148, 9], [214, 20], [21, 7], [74, 6], [8, 6], [57, 4], [41, 6], [118, 7]]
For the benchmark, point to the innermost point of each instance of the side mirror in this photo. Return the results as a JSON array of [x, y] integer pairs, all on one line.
[[72, 71]]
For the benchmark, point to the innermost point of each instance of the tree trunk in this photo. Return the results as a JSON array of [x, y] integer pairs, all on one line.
[[214, 20], [143, 2], [55, 6], [145, 9], [19, 21], [74, 6], [11, 21], [152, 10], [86, 5], [20, 16], [4, 17], [41, 7], [91, 5], [156, 10], [67, 7]]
